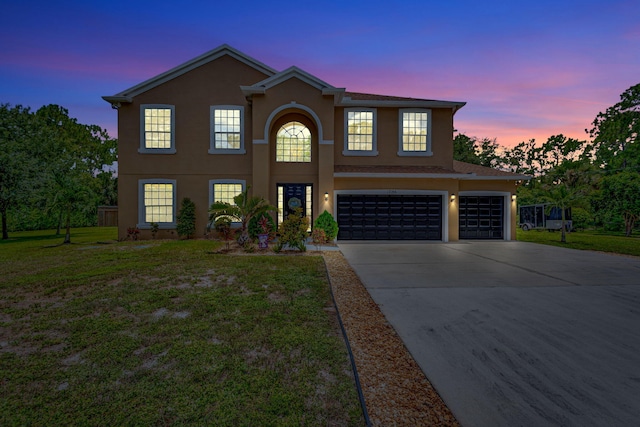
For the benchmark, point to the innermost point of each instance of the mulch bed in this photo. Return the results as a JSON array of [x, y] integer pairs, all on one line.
[[395, 389]]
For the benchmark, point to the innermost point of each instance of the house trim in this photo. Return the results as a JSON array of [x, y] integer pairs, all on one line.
[[289, 73], [292, 105], [401, 151], [348, 102], [212, 143], [224, 181], [374, 145], [212, 55], [143, 149], [142, 223]]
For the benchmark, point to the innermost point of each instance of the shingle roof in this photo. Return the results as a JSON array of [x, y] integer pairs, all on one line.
[[460, 170], [393, 169], [357, 96], [469, 168]]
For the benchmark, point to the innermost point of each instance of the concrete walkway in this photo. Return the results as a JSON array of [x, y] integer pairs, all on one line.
[[514, 333]]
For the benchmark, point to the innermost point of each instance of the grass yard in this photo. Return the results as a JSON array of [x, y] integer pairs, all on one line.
[[166, 333], [588, 240]]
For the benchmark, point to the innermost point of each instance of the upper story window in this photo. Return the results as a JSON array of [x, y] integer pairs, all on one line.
[[360, 132], [415, 133], [293, 143], [157, 202], [157, 129], [227, 125]]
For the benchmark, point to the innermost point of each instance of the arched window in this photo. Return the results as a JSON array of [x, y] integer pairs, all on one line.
[[293, 143]]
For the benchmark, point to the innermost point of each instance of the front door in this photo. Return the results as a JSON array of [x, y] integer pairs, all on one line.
[[293, 196]]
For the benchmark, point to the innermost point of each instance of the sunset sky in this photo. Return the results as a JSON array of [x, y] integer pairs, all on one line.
[[526, 69]]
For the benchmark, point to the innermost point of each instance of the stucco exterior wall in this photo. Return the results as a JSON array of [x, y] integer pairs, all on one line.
[[192, 94], [388, 136]]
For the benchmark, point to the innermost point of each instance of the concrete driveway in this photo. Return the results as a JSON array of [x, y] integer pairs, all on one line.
[[514, 333]]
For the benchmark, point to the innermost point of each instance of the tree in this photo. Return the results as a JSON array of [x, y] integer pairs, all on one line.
[[559, 149], [483, 152], [464, 149], [615, 132], [559, 196], [186, 218], [70, 156], [565, 187], [620, 195], [243, 210], [17, 164]]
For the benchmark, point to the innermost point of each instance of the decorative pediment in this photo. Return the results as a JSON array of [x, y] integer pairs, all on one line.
[[291, 73]]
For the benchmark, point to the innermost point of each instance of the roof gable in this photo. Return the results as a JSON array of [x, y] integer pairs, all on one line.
[[212, 55], [289, 73]]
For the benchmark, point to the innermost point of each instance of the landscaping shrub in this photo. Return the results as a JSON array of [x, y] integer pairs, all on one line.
[[326, 222], [293, 231], [255, 228], [186, 219]]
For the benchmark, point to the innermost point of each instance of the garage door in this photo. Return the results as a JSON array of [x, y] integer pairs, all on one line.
[[481, 217], [385, 217]]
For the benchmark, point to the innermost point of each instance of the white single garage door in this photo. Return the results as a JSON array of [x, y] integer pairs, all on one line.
[[389, 217]]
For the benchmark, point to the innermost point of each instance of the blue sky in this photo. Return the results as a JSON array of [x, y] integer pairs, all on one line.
[[526, 69]]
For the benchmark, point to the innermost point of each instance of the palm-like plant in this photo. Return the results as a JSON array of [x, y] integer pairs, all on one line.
[[243, 209]]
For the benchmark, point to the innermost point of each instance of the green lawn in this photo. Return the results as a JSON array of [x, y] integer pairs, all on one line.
[[589, 240], [166, 332]]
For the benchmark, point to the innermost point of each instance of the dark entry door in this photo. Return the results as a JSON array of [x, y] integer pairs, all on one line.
[[295, 196], [481, 217], [389, 217]]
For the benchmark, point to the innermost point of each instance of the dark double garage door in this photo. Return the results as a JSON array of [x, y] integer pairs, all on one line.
[[389, 217], [416, 217]]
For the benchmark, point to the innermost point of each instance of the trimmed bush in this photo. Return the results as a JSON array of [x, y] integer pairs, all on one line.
[[186, 226], [326, 222]]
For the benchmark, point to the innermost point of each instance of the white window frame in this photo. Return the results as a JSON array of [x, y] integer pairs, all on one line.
[[142, 223], [310, 144], [213, 182], [143, 148], [212, 137], [401, 151], [374, 143]]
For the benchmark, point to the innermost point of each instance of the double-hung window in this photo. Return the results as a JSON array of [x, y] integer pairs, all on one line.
[[415, 132], [224, 190], [360, 132], [157, 129], [157, 203], [227, 129]]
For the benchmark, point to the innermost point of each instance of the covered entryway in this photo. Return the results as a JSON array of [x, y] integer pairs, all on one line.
[[389, 217], [481, 217]]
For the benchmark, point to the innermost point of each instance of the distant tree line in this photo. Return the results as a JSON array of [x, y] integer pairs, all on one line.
[[599, 179], [54, 171]]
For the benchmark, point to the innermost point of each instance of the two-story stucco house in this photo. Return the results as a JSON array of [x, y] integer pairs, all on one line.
[[382, 165]]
